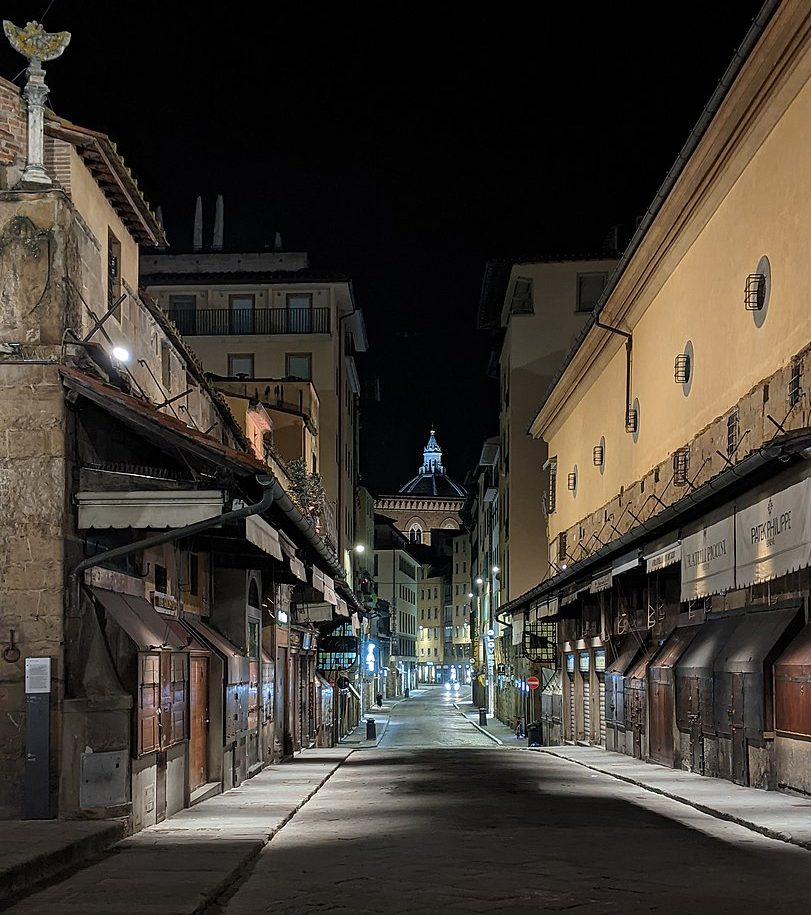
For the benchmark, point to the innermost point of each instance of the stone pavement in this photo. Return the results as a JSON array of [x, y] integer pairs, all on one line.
[[356, 738], [181, 866], [495, 729], [771, 813], [34, 850]]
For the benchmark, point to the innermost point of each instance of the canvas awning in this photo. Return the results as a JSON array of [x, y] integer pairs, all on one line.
[[518, 628], [329, 591], [342, 608], [664, 556], [316, 613], [773, 537], [289, 550], [140, 620], [601, 582], [261, 534], [155, 509], [708, 560], [625, 563]]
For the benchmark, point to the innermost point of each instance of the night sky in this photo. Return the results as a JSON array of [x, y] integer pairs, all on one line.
[[402, 145]]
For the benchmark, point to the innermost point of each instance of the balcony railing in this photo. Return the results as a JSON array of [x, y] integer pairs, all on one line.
[[216, 322]]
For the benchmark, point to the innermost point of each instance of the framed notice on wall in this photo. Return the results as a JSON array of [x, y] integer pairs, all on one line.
[[37, 675]]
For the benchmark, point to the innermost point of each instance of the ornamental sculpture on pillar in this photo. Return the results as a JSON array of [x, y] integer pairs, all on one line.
[[37, 45]]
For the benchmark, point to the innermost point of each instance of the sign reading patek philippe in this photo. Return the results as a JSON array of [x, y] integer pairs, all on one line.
[[773, 536], [708, 560]]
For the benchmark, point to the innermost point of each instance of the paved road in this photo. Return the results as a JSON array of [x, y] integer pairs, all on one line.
[[418, 829], [429, 719]]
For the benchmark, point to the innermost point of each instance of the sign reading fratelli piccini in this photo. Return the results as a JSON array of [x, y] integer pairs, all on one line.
[[708, 560]]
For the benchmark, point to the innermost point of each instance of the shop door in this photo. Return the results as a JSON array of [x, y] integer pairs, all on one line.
[[198, 730], [253, 713], [585, 678], [601, 706], [740, 756], [661, 723], [696, 738]]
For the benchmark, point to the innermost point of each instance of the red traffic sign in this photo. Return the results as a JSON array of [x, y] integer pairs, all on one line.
[[533, 682]]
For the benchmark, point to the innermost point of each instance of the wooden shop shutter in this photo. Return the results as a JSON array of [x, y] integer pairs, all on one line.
[[148, 703]]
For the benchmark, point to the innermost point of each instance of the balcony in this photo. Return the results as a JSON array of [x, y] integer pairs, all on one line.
[[223, 322]]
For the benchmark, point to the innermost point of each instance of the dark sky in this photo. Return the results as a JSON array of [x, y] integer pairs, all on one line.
[[401, 144]]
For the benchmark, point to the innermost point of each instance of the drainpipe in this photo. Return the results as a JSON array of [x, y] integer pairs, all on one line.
[[270, 486], [629, 342]]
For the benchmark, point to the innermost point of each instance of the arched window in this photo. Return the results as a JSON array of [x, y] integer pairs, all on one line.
[[415, 534], [253, 594]]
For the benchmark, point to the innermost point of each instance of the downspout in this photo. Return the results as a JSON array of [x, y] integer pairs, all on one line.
[[629, 343], [270, 486]]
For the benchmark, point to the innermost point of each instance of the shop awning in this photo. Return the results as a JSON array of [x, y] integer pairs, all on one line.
[[773, 537], [316, 613], [625, 563], [329, 591], [343, 608], [639, 669], [138, 618], [289, 550], [261, 534], [668, 655], [317, 580], [156, 509], [752, 639], [699, 659], [664, 556], [601, 582], [708, 560], [518, 628], [625, 656], [237, 663]]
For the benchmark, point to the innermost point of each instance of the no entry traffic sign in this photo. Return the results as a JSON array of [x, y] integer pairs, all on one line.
[[533, 682]]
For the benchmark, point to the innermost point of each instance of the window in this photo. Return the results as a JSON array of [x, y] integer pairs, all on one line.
[[161, 579], [521, 303], [681, 466], [589, 289], [795, 390], [240, 365], [299, 365], [242, 309], [182, 302], [166, 367], [253, 638], [149, 689], [552, 486], [733, 432], [113, 272], [562, 546], [299, 312], [174, 699]]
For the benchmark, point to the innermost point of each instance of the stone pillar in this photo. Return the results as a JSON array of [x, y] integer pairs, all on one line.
[[35, 94]]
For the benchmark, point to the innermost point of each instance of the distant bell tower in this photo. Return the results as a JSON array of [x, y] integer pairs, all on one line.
[[432, 457]]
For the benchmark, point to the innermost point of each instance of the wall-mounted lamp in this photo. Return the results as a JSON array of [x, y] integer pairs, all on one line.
[[479, 581], [360, 548], [123, 355], [495, 570], [470, 595]]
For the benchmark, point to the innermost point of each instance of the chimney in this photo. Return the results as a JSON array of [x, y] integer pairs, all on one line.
[[219, 218], [197, 238], [277, 244]]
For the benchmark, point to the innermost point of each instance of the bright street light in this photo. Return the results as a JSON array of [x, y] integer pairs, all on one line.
[[495, 570], [123, 355], [479, 581], [470, 594], [360, 548]]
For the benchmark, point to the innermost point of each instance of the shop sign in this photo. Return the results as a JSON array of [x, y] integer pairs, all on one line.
[[663, 558], [601, 582], [708, 560], [773, 537]]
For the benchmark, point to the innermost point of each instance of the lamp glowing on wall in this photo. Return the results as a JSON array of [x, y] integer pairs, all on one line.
[[360, 548], [479, 581], [121, 354]]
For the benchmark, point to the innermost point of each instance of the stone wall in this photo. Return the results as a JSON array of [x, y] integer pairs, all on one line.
[[12, 134]]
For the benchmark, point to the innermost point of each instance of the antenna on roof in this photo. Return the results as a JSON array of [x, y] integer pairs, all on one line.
[[277, 242], [197, 238], [219, 224]]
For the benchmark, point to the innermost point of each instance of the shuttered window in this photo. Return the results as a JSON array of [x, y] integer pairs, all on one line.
[[148, 703], [174, 697]]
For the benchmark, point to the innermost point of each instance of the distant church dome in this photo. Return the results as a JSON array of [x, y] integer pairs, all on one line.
[[431, 481]]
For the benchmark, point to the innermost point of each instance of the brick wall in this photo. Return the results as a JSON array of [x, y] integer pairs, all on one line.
[[12, 126]]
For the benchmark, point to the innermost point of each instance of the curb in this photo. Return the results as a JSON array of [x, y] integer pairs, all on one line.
[[216, 899], [478, 727], [702, 808], [32, 875]]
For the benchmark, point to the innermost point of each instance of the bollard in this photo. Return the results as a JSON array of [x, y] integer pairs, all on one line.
[[483, 717], [371, 731]]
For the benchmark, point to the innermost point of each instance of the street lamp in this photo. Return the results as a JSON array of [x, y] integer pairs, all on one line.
[[359, 548], [479, 581]]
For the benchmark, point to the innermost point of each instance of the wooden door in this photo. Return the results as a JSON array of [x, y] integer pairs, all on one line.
[[661, 723], [740, 755], [198, 742]]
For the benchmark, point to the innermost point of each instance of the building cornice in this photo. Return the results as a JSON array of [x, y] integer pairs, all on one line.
[[766, 83]]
